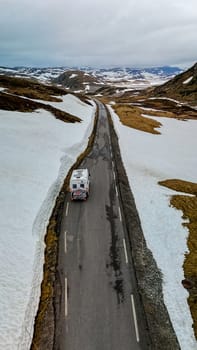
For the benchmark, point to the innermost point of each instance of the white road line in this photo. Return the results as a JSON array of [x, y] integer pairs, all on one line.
[[65, 241], [135, 318], [116, 191], [125, 251], [67, 205], [112, 164], [120, 216], [114, 175], [66, 297]]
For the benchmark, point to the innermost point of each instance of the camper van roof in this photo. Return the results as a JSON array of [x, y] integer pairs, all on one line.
[[79, 173]]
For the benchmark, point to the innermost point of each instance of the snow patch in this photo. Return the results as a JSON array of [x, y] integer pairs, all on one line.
[[72, 76], [188, 80]]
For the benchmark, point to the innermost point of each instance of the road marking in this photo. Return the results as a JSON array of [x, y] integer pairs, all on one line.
[[112, 164], [135, 318], [120, 216], [114, 175], [65, 241], [66, 297], [125, 251], [67, 205], [116, 191]]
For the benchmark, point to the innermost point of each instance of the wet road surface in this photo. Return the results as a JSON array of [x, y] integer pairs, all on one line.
[[97, 299]]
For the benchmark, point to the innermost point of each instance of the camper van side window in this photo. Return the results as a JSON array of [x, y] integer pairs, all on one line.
[[74, 186], [82, 185]]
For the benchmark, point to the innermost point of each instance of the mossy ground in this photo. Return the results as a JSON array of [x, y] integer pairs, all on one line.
[[132, 116], [188, 205], [12, 98], [34, 94], [131, 107], [16, 103], [31, 88]]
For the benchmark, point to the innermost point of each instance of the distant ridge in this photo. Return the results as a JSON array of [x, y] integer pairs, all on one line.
[[90, 79], [54, 72]]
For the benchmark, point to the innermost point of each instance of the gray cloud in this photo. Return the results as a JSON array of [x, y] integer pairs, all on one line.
[[98, 32]]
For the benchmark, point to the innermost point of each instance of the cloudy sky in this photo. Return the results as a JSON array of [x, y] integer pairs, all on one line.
[[137, 33]]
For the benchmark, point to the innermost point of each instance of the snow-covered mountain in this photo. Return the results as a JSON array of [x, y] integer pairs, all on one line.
[[47, 73], [116, 76]]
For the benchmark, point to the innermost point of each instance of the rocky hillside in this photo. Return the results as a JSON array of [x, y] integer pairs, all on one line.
[[182, 87], [31, 88], [19, 94], [77, 80]]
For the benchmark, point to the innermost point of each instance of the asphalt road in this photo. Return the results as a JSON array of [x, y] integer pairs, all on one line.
[[98, 294]]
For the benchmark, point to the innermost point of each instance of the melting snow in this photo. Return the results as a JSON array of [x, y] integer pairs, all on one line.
[[188, 80], [72, 76]]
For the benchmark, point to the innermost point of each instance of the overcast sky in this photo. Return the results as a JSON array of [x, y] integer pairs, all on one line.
[[135, 33]]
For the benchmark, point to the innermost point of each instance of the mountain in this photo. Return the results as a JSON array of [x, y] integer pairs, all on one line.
[[182, 87], [76, 80], [43, 74], [81, 78], [139, 73]]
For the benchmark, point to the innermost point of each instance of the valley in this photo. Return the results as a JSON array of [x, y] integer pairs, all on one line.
[[152, 134]]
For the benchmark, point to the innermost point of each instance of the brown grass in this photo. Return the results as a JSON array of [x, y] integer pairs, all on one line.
[[162, 107], [132, 116], [34, 94], [16, 103], [31, 88], [177, 111], [131, 108], [48, 279], [188, 205], [180, 186], [104, 99]]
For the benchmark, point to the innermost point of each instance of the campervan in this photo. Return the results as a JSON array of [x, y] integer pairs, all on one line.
[[79, 184]]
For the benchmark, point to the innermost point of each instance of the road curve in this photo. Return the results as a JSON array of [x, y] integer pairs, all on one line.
[[97, 301]]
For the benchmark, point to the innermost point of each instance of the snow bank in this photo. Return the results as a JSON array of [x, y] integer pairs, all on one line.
[[36, 152], [148, 159]]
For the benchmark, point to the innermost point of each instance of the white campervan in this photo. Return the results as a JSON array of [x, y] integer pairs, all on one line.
[[79, 184]]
